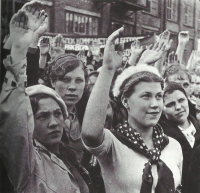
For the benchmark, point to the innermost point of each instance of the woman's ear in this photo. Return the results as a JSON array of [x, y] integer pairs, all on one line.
[[53, 84], [125, 102]]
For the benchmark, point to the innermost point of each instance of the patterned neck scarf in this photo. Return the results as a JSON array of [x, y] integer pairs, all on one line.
[[132, 139]]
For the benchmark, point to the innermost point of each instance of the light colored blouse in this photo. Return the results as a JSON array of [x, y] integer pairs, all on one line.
[[122, 168]]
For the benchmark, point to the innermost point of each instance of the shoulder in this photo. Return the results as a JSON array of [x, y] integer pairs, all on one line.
[[174, 147], [174, 143]]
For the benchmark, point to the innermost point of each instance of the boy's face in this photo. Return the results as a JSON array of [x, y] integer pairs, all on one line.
[[176, 107], [184, 83]]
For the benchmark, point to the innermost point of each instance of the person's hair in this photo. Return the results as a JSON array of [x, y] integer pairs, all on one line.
[[129, 84], [94, 73], [64, 64], [177, 70], [34, 100], [171, 87]]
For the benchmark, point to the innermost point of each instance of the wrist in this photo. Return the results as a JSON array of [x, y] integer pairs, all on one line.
[[43, 55], [18, 53], [182, 43], [110, 70]]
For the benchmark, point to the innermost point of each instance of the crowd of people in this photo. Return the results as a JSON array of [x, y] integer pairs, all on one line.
[[107, 124]]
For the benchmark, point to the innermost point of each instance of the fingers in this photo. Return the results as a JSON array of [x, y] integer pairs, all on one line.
[[33, 6], [111, 39], [159, 46], [184, 33], [149, 47], [36, 14], [20, 20], [170, 44], [171, 57], [58, 41], [44, 40]]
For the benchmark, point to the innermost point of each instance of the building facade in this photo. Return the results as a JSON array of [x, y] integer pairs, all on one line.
[[95, 18]]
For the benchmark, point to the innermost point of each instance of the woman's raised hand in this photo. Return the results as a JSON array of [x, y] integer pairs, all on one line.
[[20, 34], [22, 27], [57, 47], [152, 54], [111, 59], [36, 14], [183, 37], [136, 49], [44, 46]]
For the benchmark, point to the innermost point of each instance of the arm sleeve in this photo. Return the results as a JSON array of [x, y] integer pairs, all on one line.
[[16, 126], [103, 151]]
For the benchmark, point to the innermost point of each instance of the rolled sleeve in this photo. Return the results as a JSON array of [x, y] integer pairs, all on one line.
[[103, 149]]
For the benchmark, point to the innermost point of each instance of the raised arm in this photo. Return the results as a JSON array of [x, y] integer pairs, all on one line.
[[136, 50], [57, 47], [152, 54], [164, 37], [44, 50], [16, 119], [183, 39], [95, 114]]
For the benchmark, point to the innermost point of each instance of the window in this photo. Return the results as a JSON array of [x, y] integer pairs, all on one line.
[[172, 10], [154, 7], [81, 24], [188, 18]]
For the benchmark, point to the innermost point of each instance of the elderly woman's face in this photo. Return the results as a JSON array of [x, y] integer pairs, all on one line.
[[176, 107], [145, 104], [71, 86]]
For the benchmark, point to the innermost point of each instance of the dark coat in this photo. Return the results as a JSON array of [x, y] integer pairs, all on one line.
[[171, 129], [193, 177]]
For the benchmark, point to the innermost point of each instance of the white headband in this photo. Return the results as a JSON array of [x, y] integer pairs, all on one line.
[[128, 72]]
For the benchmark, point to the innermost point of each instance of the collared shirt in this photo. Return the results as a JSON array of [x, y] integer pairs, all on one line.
[[189, 134]]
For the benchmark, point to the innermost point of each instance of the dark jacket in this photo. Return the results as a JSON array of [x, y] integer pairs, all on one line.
[[193, 177], [171, 129]]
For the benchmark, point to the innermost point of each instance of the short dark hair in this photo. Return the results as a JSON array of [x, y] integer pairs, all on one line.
[[94, 73], [171, 86], [63, 64], [179, 70], [34, 100]]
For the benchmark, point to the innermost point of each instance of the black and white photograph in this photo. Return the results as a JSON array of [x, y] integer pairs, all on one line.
[[100, 96]]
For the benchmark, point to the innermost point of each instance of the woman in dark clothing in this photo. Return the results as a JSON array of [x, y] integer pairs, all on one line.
[[178, 124]]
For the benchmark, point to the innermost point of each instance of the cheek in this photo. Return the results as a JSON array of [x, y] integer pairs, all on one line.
[[39, 130], [161, 104], [168, 112], [60, 88], [81, 88]]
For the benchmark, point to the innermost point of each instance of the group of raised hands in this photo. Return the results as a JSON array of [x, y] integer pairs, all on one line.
[[31, 22]]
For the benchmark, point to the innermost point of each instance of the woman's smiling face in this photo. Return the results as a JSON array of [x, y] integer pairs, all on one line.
[[145, 104]]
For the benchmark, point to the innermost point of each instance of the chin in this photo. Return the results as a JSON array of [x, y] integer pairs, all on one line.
[[152, 123], [70, 103]]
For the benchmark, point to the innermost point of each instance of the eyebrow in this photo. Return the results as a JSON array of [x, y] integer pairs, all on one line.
[[170, 103], [147, 92], [71, 77], [46, 112]]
